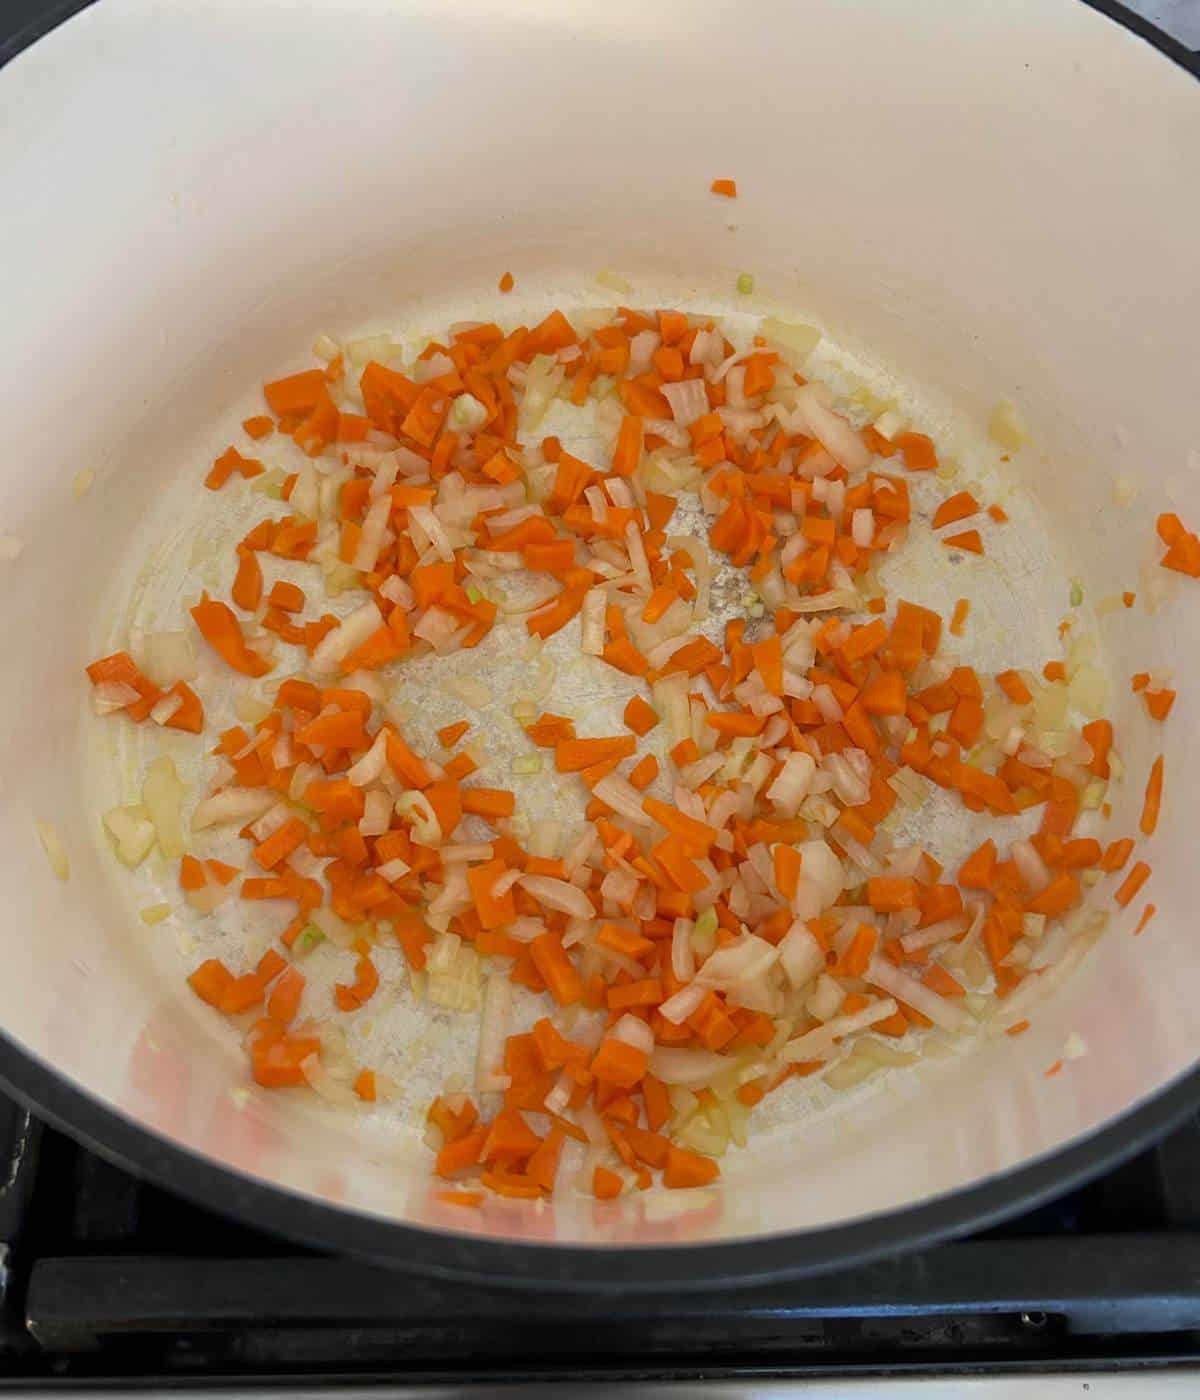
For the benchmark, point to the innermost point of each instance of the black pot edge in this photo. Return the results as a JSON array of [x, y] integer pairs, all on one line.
[[759, 1259], [691, 1268]]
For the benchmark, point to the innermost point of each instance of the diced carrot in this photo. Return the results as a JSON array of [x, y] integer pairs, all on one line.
[[639, 716], [968, 540], [1152, 802], [1132, 883], [619, 1063], [687, 1169], [222, 631], [574, 755]]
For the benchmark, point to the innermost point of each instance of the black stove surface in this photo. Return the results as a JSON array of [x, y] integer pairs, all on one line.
[[106, 1279]]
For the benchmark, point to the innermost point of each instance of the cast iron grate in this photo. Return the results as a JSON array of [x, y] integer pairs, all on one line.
[[107, 1278]]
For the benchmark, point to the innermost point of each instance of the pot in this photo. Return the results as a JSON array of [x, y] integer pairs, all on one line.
[[999, 202]]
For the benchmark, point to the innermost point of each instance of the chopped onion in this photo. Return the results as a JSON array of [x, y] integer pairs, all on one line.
[[800, 339], [912, 993], [624, 799], [393, 870], [687, 1000], [821, 1044], [862, 527], [334, 927], [832, 431], [800, 955], [370, 767], [442, 629], [416, 807], [167, 657], [671, 701], [738, 964], [353, 631], [1030, 866], [828, 704], [162, 795], [132, 834], [325, 1085], [683, 956], [374, 533], [595, 600], [686, 1067], [558, 894], [791, 786], [633, 1031], [934, 934], [688, 399], [110, 696], [377, 813], [493, 1031], [826, 999], [211, 895]]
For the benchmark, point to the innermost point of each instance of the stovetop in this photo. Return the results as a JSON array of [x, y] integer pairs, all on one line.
[[106, 1282], [107, 1279]]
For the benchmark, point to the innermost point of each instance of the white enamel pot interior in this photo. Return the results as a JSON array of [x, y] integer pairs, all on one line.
[[998, 201]]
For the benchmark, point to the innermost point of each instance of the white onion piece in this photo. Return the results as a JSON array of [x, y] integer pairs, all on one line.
[[333, 926], [559, 895], [828, 704], [936, 933], [370, 767], [907, 989], [683, 955], [686, 1067], [633, 1031], [826, 999], [212, 894], [641, 352], [270, 821], [164, 709], [393, 870], [466, 851], [697, 551], [688, 399], [679, 1007], [132, 834], [624, 799], [591, 643], [493, 1031], [1030, 866], [354, 630], [374, 530], [110, 696], [168, 657], [820, 1044], [862, 528], [324, 1085], [560, 1096], [791, 786], [832, 431], [739, 963], [441, 629], [377, 813], [707, 348], [162, 796], [504, 883], [426, 828], [800, 955], [821, 868]]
